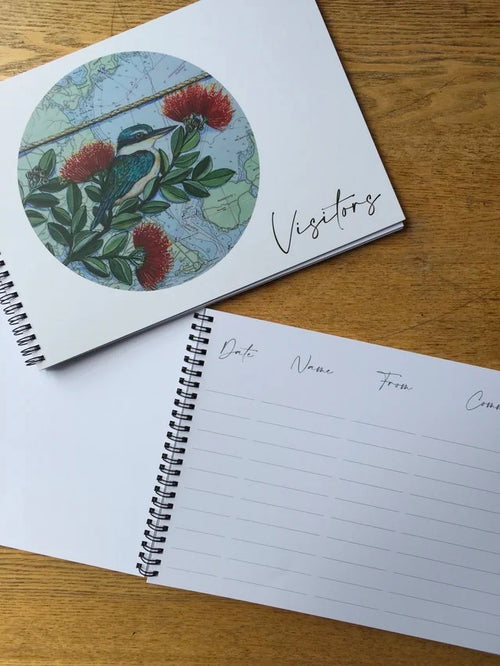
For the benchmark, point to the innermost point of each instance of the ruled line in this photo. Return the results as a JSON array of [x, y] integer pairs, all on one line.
[[224, 434], [310, 432], [209, 492], [376, 425], [452, 564], [370, 485], [211, 471], [451, 543], [232, 395], [294, 469], [372, 506], [453, 483], [349, 603], [450, 441], [267, 545], [354, 522], [378, 446], [292, 448], [270, 566], [213, 411], [279, 527], [354, 564], [452, 462], [440, 582], [449, 522], [272, 587], [217, 453], [301, 409], [344, 582], [212, 513], [359, 543], [197, 552], [189, 529], [446, 624], [278, 485], [201, 573], [386, 469], [281, 506], [465, 506]]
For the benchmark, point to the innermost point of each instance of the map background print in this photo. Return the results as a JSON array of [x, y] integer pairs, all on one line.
[[205, 216]]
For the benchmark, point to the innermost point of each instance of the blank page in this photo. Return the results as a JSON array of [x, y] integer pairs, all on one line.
[[342, 479], [79, 446]]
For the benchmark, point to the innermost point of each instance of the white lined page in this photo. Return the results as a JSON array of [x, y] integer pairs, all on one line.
[[337, 493]]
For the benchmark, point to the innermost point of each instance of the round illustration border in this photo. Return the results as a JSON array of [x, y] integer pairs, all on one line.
[[138, 182]]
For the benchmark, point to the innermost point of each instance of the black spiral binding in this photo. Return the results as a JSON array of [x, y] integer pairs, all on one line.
[[17, 318], [164, 492]]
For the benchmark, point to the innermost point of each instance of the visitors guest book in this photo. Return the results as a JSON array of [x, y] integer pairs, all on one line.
[[182, 161], [261, 462]]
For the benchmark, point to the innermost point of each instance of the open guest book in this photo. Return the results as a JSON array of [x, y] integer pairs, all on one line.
[[266, 463], [187, 159]]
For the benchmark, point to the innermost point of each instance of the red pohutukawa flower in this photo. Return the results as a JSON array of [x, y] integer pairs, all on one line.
[[90, 159], [157, 257], [198, 105]]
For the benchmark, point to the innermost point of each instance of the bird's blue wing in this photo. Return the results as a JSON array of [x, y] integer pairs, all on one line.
[[124, 172]]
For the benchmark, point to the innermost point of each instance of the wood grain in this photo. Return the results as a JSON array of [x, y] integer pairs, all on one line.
[[426, 76]]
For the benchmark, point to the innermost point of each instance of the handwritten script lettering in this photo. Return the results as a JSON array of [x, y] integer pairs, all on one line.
[[340, 210], [231, 348], [476, 401], [387, 381], [303, 365]]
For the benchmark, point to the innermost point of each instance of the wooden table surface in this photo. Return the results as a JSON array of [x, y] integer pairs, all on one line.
[[426, 76]]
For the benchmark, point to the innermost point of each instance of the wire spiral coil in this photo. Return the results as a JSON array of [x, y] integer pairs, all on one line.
[[18, 319], [169, 469]]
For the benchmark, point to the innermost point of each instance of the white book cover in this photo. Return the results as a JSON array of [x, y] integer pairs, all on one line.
[[177, 163]]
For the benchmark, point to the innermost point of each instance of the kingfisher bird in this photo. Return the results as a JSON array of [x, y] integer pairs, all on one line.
[[136, 162]]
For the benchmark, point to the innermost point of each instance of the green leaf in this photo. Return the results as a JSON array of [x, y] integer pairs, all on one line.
[[137, 257], [21, 188], [203, 167], [153, 207], [151, 189], [177, 140], [59, 233], [50, 248], [47, 162], [115, 244], [174, 194], [191, 141], [60, 215], [74, 198], [121, 270], [195, 189], [94, 193], [129, 205], [125, 220], [175, 176], [217, 177], [79, 219], [96, 266], [184, 161], [35, 217], [85, 243], [53, 185], [40, 200], [164, 163]]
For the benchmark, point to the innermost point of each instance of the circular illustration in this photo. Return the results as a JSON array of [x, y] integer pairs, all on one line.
[[138, 171]]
